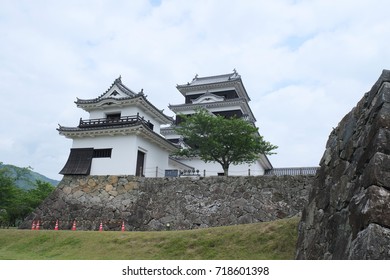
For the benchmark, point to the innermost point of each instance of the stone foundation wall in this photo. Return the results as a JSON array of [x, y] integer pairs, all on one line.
[[170, 203], [348, 214]]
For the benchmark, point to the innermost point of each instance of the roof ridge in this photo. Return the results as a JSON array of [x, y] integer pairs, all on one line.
[[118, 82], [217, 76]]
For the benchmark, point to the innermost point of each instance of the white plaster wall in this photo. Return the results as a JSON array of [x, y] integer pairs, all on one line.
[[147, 117], [156, 158], [123, 157], [212, 169], [242, 169]]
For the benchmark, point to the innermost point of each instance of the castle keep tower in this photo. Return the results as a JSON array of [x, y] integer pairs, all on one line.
[[223, 95], [121, 137]]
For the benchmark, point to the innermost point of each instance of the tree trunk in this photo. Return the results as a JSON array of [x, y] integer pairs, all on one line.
[[225, 170]]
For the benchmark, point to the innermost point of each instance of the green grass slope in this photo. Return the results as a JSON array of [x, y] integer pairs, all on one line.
[[267, 241]]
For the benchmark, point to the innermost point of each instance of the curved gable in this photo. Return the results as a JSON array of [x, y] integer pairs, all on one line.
[[207, 98]]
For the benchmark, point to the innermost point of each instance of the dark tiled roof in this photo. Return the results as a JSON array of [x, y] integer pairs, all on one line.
[[103, 126], [130, 95], [79, 162], [210, 82], [292, 171], [212, 79], [118, 83]]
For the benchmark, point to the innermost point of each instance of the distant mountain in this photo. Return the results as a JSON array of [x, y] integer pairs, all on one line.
[[26, 177]]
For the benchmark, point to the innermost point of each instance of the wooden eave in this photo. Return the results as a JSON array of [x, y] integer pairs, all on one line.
[[236, 83], [138, 129], [168, 130], [139, 99], [219, 104], [180, 164], [265, 162]]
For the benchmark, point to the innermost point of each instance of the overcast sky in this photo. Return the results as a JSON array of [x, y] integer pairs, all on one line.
[[304, 64]]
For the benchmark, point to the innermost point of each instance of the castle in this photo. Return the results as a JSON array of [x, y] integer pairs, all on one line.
[[126, 138], [122, 136], [127, 135]]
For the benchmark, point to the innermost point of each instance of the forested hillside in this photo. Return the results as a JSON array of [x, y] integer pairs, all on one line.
[[25, 177], [17, 202]]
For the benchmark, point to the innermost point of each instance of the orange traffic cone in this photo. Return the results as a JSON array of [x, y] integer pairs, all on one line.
[[56, 226], [74, 225], [33, 225], [123, 226], [37, 226], [101, 226]]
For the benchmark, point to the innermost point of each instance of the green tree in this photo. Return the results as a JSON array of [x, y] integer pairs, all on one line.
[[35, 196], [18, 208], [16, 203], [8, 194], [227, 141]]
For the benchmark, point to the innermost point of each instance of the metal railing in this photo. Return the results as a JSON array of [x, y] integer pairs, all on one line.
[[293, 171], [159, 172]]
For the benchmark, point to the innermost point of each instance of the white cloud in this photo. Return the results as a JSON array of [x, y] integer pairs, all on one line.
[[305, 64]]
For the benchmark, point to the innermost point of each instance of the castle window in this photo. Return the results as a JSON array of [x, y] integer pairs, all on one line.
[[113, 117], [229, 114], [102, 153], [175, 141]]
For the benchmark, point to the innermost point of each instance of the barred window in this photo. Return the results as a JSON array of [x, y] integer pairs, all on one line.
[[102, 153]]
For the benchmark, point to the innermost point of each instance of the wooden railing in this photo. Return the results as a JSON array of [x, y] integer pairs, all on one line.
[[89, 123]]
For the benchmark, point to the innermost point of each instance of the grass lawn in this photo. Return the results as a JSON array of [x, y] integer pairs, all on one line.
[[267, 241]]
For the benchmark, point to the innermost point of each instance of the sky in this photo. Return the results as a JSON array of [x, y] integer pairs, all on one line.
[[305, 64]]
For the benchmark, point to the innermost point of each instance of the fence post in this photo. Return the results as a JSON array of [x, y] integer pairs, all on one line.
[[249, 172], [204, 172], [156, 171]]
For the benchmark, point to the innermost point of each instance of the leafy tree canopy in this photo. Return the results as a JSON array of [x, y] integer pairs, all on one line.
[[227, 141], [17, 203]]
